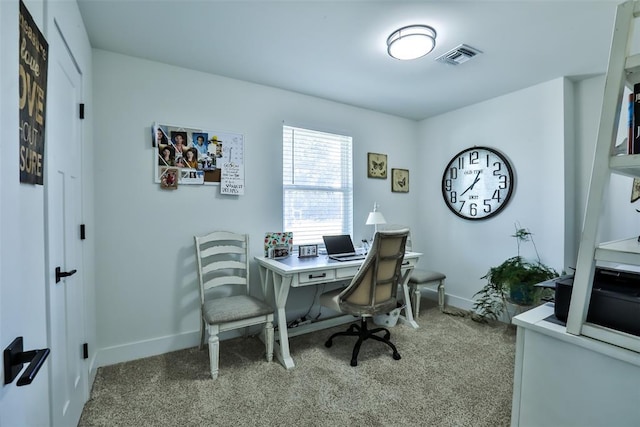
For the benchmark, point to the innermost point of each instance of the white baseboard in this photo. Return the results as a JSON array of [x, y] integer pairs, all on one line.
[[155, 346], [93, 369], [152, 347], [467, 304], [450, 300], [147, 348]]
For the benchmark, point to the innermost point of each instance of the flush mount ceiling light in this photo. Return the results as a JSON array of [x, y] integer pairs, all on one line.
[[411, 42]]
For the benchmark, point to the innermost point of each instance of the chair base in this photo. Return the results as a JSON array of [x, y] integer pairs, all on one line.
[[364, 333], [214, 341]]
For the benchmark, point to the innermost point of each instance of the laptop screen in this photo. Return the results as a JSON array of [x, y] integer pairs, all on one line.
[[340, 244]]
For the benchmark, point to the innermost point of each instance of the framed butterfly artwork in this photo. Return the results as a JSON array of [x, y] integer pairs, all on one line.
[[377, 165], [400, 180]]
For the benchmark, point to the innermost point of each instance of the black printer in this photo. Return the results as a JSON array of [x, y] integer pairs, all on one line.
[[615, 299]]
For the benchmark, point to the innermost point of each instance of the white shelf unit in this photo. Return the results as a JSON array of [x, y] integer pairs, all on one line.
[[623, 71], [626, 251]]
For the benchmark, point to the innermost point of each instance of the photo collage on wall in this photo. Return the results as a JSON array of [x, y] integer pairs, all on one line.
[[193, 156]]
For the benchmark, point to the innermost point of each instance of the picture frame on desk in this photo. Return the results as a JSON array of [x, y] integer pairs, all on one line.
[[279, 251], [307, 251]]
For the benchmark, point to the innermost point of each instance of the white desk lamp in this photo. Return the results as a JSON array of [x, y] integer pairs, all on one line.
[[375, 218]]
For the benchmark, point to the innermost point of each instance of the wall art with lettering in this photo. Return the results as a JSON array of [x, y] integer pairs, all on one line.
[[32, 75]]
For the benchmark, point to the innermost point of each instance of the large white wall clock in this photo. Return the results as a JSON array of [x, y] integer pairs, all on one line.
[[477, 183]]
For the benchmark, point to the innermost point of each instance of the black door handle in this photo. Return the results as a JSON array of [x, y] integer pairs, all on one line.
[[15, 358], [61, 274]]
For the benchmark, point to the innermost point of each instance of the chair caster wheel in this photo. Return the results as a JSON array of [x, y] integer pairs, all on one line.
[[396, 356], [328, 344], [354, 362]]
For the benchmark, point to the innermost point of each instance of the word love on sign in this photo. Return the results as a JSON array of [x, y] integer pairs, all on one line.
[[32, 75]]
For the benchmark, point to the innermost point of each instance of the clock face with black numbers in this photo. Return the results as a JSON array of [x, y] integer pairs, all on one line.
[[477, 183]]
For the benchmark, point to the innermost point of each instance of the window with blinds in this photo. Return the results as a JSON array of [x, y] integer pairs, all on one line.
[[317, 184]]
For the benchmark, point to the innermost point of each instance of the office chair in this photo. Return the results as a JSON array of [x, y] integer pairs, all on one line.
[[372, 291], [223, 261]]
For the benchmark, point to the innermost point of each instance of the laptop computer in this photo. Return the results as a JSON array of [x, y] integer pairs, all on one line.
[[340, 248]]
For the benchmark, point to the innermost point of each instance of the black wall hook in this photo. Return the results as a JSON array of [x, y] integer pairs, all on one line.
[[15, 358]]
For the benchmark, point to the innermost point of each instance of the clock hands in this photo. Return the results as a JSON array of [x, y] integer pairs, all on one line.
[[475, 181]]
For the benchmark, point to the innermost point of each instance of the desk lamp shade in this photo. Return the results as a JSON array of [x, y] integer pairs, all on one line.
[[375, 218]]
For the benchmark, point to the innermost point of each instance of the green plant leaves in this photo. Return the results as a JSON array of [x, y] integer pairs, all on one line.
[[514, 271]]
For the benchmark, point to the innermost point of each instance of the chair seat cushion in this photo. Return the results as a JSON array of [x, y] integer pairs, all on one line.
[[425, 276], [233, 308], [331, 300]]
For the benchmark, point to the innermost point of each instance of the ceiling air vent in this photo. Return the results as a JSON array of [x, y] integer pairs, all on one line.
[[458, 55]]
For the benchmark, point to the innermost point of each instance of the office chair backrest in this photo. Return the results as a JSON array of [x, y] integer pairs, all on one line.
[[373, 289], [222, 260], [389, 227]]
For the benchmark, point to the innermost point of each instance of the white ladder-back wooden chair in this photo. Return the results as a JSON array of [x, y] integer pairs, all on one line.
[[226, 303]]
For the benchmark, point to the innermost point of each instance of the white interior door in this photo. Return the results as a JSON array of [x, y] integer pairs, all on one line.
[[68, 374]]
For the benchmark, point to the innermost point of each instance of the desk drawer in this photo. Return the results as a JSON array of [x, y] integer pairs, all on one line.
[[317, 276], [347, 272], [409, 262]]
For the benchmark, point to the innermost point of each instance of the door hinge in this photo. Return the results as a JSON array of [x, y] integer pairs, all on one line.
[[82, 111], [83, 232], [85, 351]]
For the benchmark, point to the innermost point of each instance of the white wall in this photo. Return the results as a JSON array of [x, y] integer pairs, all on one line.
[[528, 127], [146, 283], [22, 229], [549, 132], [147, 295], [21, 234]]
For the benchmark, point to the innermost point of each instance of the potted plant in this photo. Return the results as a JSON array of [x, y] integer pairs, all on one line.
[[512, 281]]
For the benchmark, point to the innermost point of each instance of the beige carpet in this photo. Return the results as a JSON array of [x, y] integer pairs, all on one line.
[[453, 372]]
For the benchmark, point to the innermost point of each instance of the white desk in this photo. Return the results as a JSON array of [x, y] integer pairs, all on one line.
[[279, 276]]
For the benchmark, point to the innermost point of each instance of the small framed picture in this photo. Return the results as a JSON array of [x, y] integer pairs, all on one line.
[[400, 180], [377, 165], [280, 251], [169, 178], [307, 251]]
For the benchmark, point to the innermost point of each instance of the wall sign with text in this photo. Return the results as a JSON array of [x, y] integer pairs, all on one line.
[[32, 75]]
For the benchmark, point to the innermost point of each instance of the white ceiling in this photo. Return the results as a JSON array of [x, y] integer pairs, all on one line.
[[337, 49]]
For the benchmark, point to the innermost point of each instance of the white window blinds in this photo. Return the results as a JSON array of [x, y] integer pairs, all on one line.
[[317, 184]]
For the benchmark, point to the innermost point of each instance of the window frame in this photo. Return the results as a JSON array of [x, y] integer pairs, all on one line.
[[299, 145]]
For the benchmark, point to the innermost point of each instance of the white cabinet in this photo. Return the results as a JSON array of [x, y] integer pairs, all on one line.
[[566, 380]]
